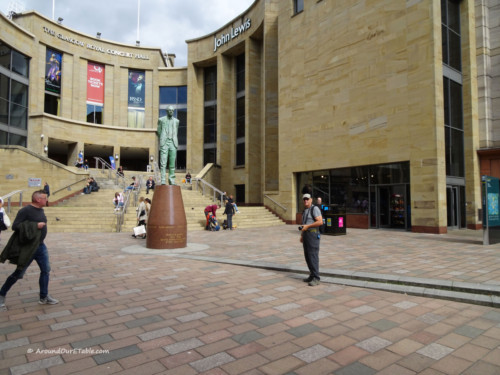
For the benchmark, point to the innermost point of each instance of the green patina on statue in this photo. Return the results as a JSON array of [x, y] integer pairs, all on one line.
[[168, 127]]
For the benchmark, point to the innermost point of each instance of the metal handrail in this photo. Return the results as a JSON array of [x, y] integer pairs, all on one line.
[[119, 179], [67, 186], [120, 215], [276, 203], [199, 181], [10, 195]]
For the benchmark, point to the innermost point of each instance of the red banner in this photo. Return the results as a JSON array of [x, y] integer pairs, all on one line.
[[95, 83]]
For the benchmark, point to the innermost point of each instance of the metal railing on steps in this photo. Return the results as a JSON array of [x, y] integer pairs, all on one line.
[[9, 196]]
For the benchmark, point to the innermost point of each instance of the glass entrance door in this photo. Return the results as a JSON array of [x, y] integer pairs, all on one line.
[[391, 206], [453, 207]]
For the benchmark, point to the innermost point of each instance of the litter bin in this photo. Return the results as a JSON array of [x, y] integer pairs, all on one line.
[[334, 220]]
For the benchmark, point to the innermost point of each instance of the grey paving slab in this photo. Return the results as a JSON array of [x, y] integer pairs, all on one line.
[[210, 308]]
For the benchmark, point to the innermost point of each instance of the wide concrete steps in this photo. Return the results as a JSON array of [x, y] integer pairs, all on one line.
[[94, 212]]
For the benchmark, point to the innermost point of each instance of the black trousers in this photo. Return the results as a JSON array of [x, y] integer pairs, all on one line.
[[310, 242]]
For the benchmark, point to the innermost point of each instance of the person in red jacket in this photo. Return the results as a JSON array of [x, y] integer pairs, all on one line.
[[210, 210]]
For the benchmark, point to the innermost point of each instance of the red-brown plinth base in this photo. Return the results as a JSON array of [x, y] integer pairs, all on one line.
[[167, 225]]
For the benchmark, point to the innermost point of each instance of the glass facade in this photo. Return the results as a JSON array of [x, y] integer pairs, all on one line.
[[210, 116], [176, 96], [453, 112], [381, 192], [14, 88], [240, 110]]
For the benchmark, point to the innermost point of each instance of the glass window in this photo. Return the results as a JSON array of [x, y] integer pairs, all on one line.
[[4, 87], [298, 6], [18, 116], [5, 52], [210, 115], [51, 105], [182, 95], [136, 118], [20, 64], [209, 155], [240, 117], [13, 95], [168, 95], [455, 106], [451, 41], [19, 93], [240, 154], [94, 114], [3, 138], [17, 140], [209, 134], [240, 73], [4, 112]]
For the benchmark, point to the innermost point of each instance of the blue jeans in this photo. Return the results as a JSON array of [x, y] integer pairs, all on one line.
[[42, 258]]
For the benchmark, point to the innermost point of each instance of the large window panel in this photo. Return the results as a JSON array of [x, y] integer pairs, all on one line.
[[18, 116], [168, 95], [19, 93], [13, 96], [5, 53], [20, 64], [4, 112], [4, 87]]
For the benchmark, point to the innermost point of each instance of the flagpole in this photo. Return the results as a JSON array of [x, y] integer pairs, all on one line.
[[53, 10], [138, 18]]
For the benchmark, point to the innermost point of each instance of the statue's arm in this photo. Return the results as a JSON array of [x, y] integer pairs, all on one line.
[[158, 129]]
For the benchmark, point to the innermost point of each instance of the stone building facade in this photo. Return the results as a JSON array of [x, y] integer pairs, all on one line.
[[388, 110]]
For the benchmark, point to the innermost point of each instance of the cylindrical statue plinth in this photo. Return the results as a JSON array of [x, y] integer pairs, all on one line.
[[167, 225]]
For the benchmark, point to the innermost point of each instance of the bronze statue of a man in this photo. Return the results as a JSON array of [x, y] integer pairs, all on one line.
[[168, 127]]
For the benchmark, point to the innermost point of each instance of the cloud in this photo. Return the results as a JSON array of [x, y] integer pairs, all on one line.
[[163, 24]]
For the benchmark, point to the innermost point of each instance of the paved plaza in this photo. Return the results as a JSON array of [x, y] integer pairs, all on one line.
[[233, 302]]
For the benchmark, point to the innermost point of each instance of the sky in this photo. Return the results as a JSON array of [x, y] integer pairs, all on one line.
[[165, 24]]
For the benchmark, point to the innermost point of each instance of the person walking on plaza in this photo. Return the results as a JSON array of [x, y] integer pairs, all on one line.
[[142, 216], [26, 245], [310, 237]]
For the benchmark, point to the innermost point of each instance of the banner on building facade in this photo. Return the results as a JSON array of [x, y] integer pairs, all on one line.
[[95, 83], [136, 88], [53, 62]]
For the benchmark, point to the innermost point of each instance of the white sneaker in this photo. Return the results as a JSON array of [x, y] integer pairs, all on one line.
[[48, 301]]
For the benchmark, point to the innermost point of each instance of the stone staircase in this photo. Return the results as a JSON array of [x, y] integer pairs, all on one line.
[[94, 212]]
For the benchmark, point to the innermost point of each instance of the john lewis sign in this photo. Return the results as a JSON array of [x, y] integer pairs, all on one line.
[[226, 38]]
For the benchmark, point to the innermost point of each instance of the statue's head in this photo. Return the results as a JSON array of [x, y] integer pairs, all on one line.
[[170, 111]]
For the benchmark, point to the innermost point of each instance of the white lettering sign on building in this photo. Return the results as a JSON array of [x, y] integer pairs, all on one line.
[[96, 48], [234, 32]]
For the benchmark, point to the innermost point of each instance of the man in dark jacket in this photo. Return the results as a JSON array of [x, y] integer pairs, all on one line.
[[150, 184], [23, 240], [229, 211]]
